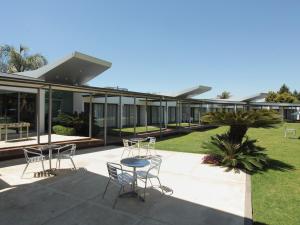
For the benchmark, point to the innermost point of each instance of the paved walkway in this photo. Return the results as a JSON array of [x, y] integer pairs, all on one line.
[[202, 194]]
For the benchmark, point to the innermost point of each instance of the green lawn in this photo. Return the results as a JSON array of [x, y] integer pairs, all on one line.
[[275, 192], [138, 129]]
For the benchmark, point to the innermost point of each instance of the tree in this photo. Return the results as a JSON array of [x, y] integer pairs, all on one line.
[[271, 96], [284, 89], [234, 149], [284, 97], [239, 122], [12, 60], [224, 95]]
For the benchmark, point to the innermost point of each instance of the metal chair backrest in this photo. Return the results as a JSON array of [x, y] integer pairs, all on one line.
[[29, 150], [152, 140], [155, 163], [26, 155], [126, 143], [69, 147], [112, 169]]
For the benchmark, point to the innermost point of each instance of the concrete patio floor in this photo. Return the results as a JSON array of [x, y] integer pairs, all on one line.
[[32, 140], [202, 194]]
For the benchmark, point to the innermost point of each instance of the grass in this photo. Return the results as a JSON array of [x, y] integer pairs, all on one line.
[[276, 191], [138, 129]]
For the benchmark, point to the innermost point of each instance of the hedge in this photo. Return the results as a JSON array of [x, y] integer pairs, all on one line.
[[62, 130]]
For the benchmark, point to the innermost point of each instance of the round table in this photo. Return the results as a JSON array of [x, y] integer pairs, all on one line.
[[138, 140], [49, 148], [135, 163]]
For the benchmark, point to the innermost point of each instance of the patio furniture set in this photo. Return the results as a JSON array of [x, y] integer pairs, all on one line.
[[19, 126], [45, 152], [136, 161]]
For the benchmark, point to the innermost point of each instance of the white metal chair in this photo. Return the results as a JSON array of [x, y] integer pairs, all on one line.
[[152, 172], [66, 152], [288, 131], [119, 177], [129, 146], [33, 155], [150, 146]]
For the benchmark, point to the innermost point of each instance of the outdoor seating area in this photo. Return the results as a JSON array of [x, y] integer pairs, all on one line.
[[117, 188]]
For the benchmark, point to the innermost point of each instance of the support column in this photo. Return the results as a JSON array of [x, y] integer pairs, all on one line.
[[166, 115], [90, 115], [38, 120], [176, 114], [190, 108], [49, 114], [120, 115], [134, 117], [105, 120], [146, 112], [180, 113], [235, 108], [19, 107], [160, 117]]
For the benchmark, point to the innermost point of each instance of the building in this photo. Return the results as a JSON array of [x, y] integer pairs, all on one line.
[[38, 97]]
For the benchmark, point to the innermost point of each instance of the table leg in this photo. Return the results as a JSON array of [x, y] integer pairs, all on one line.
[[50, 159], [20, 132], [5, 133]]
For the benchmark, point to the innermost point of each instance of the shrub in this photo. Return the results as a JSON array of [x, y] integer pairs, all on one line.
[[62, 130], [245, 156], [79, 121], [234, 148], [211, 159]]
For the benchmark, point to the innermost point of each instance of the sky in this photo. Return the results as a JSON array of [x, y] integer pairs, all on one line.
[[244, 47]]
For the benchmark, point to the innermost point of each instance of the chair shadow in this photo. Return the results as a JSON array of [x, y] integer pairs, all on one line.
[[259, 223]]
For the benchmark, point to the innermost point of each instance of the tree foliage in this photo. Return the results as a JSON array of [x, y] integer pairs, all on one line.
[[284, 95], [12, 60], [246, 155], [234, 148], [224, 95]]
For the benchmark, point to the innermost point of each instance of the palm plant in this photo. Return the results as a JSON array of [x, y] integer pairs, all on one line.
[[12, 60], [234, 148], [239, 122], [246, 155]]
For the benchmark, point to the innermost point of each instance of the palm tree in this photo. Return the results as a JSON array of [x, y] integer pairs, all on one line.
[[12, 60], [224, 95]]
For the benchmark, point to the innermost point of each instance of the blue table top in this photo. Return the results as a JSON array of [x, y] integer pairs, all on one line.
[[135, 162]]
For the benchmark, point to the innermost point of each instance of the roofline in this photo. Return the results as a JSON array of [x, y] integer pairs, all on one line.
[[97, 91], [51, 66]]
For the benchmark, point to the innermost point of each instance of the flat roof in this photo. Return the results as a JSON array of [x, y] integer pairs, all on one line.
[[74, 69]]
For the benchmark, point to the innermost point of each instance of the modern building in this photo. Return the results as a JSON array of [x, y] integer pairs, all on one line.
[[38, 97]]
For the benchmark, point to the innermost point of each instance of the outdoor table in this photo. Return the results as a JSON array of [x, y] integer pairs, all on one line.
[[134, 162], [19, 126], [49, 148], [137, 141]]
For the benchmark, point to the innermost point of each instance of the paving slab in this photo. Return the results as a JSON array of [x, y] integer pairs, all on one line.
[[201, 194]]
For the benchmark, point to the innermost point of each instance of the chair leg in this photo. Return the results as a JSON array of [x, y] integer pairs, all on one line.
[[106, 188], [115, 202], [25, 169], [43, 166], [57, 162], [73, 163], [158, 181], [145, 189]]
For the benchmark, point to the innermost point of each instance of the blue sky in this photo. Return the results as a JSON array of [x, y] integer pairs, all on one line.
[[243, 47]]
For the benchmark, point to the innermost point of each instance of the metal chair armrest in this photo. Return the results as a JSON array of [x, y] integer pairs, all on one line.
[[34, 153]]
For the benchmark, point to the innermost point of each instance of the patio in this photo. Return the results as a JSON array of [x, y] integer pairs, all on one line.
[[202, 194], [43, 140]]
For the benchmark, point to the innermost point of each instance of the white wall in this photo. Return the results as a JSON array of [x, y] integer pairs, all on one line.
[[78, 102]]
